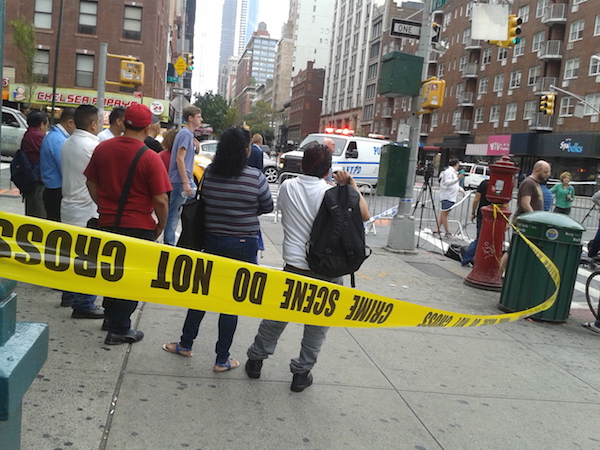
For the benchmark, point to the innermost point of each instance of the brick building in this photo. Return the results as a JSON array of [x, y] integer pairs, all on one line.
[[305, 106], [139, 29]]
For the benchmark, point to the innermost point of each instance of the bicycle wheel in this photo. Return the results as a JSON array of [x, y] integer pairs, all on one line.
[[592, 299]]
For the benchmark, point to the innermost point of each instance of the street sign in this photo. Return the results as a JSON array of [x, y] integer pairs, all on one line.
[[405, 28], [182, 91], [438, 4], [172, 79], [180, 65]]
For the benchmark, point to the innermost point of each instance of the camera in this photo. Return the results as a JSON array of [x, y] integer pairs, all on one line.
[[428, 173]]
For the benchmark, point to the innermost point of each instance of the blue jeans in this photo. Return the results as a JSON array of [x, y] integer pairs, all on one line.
[[118, 311], [242, 249], [80, 302], [594, 245], [314, 336], [175, 203]]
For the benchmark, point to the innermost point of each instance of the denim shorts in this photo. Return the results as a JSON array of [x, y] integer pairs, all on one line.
[[447, 204]]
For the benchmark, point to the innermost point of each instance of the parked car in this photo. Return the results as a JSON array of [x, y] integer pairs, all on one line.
[[14, 126], [207, 153], [474, 174]]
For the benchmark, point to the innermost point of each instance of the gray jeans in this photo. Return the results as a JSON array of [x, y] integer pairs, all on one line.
[[269, 331]]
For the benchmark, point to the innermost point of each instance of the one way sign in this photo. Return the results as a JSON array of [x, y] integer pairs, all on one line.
[[405, 28]]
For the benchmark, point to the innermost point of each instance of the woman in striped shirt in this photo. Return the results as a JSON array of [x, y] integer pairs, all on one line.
[[235, 194]]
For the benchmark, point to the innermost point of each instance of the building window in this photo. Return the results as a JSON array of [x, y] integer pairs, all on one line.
[[571, 68], [441, 69], [368, 112], [435, 119], [483, 85], [376, 29], [530, 109], [374, 51], [519, 49], [567, 106], [576, 33], [42, 17], [455, 118], [40, 65], [132, 23], [460, 89], [479, 113], [524, 13], [84, 75], [466, 36], [462, 63], [541, 7], [595, 65], [494, 113], [502, 52], [594, 101], [372, 72], [537, 40], [577, 2], [597, 26], [534, 75], [370, 92], [515, 79], [511, 112], [88, 14], [487, 56], [498, 82]]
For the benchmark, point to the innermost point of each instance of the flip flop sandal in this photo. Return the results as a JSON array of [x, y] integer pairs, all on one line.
[[173, 347], [230, 364]]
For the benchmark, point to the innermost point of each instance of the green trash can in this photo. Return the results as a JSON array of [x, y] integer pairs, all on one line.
[[527, 282]]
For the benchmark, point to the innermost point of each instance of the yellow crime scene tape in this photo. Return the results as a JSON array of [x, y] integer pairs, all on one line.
[[89, 261]]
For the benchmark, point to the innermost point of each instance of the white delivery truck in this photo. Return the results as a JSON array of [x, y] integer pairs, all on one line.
[[359, 156]]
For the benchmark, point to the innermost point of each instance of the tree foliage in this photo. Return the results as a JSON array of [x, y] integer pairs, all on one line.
[[24, 41], [216, 111], [260, 120]]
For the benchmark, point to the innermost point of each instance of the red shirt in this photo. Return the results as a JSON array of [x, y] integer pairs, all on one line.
[[108, 168], [165, 155], [31, 143]]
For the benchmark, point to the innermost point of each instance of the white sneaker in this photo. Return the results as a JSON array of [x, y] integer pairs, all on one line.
[[591, 326]]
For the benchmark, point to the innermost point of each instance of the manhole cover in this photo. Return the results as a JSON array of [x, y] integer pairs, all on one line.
[[433, 270]]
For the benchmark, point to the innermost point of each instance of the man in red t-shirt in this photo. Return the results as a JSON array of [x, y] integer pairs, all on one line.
[[106, 175]]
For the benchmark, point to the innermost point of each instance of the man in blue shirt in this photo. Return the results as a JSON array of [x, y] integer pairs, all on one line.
[[256, 155], [181, 170], [51, 162]]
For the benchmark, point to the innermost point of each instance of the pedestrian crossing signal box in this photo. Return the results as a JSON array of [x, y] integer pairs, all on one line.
[[393, 170], [132, 72], [433, 94]]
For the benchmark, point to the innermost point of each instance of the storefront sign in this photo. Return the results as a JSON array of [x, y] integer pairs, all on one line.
[[76, 97], [499, 145], [569, 146]]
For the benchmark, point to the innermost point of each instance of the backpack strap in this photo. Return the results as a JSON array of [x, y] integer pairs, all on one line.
[[127, 185], [332, 201]]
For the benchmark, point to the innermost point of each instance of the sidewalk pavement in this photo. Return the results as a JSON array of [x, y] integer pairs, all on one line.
[[523, 385]]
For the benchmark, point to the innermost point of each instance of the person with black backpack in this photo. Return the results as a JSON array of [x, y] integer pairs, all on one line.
[[300, 200], [31, 144]]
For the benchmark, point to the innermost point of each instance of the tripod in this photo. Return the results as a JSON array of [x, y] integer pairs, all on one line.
[[589, 212], [421, 198]]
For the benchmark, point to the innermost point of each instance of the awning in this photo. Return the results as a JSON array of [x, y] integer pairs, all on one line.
[[476, 149], [431, 148]]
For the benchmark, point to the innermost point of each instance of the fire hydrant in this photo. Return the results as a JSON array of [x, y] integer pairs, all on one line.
[[486, 265]]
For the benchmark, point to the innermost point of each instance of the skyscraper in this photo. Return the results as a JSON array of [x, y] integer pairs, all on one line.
[[239, 21]]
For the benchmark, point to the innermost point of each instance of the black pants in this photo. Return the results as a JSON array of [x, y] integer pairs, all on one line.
[[118, 311], [52, 199]]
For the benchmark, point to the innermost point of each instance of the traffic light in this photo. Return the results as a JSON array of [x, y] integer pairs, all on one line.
[[436, 33], [514, 29], [190, 61], [547, 104]]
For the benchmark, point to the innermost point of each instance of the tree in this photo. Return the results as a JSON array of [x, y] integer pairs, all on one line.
[[24, 41], [260, 120], [216, 111]]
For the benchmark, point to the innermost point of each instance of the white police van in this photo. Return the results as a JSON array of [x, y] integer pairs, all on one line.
[[359, 156]]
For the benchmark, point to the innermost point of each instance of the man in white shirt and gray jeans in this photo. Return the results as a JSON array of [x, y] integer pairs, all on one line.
[[449, 188]]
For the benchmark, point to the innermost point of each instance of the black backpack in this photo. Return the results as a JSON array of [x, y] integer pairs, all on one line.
[[22, 173], [337, 239]]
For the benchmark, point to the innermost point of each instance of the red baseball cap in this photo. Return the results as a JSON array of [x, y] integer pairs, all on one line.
[[138, 115]]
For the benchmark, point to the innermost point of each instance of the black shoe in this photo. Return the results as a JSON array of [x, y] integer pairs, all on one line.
[[253, 367], [131, 337], [97, 312], [66, 303], [105, 324], [301, 381]]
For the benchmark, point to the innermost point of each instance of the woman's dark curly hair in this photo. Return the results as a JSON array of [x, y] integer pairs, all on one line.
[[232, 152]]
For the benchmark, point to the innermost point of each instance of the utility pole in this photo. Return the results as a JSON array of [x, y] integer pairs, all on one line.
[[102, 80], [402, 230]]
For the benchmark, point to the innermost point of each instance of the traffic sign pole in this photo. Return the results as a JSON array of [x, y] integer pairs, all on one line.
[[402, 231]]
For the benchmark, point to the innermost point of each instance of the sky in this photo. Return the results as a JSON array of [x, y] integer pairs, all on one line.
[[208, 37]]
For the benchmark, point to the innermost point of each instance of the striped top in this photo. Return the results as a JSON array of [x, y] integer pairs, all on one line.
[[232, 205]]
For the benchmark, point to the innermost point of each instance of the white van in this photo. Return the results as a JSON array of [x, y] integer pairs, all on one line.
[[358, 156], [14, 126], [474, 174]]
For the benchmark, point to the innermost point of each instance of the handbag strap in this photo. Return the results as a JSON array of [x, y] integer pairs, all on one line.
[[127, 185]]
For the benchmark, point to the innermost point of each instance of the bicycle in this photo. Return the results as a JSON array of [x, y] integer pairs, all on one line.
[[594, 264]]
